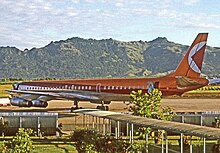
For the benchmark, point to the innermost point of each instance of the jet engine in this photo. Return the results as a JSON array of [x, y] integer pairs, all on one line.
[[16, 101], [39, 103]]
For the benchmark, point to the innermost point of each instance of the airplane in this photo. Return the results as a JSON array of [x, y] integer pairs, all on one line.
[[186, 77]]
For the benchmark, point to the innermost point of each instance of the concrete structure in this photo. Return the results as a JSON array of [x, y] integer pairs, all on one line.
[[203, 119], [43, 123]]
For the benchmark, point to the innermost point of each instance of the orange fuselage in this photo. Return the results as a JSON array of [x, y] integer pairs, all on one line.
[[167, 85]]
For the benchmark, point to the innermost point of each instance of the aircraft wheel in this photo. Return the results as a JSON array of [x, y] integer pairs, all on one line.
[[72, 109], [106, 108], [102, 107]]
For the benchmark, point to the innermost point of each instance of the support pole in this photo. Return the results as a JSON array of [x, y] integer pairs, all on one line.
[[181, 142], [103, 128], [118, 127], [93, 123], [132, 132], [127, 129], [204, 145], [146, 143], [110, 130], [130, 136], [99, 125], [96, 124], [167, 143], [88, 121], [201, 120], [38, 126], [182, 117], [75, 120], [20, 122], [116, 131], [162, 147], [83, 120], [190, 145]]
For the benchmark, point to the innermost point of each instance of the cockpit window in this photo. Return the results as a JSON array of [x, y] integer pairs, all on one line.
[[15, 86]]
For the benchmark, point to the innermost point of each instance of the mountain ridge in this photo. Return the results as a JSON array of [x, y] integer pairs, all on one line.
[[90, 58]]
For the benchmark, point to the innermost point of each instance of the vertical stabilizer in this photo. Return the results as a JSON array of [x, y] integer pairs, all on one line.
[[191, 64]]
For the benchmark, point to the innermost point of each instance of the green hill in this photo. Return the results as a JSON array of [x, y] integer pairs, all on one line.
[[90, 58]]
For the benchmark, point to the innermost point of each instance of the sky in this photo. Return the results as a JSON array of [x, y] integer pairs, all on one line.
[[35, 23]]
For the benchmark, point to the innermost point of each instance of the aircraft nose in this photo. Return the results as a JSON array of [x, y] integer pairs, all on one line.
[[15, 86]]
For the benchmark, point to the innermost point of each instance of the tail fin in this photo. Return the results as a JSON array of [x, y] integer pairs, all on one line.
[[191, 64]]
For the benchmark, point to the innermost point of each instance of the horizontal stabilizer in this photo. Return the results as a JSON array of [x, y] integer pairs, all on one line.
[[185, 82]]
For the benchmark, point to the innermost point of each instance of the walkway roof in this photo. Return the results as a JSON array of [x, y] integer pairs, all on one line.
[[187, 129]]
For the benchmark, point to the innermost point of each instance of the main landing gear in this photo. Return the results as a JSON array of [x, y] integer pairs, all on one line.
[[103, 107], [76, 106]]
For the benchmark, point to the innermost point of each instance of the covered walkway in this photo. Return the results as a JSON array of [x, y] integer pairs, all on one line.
[[167, 126]]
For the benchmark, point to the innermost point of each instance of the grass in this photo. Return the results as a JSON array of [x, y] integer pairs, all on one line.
[[68, 147], [4, 87], [53, 144], [54, 148], [50, 144]]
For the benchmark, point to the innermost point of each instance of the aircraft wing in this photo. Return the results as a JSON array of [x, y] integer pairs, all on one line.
[[76, 95]]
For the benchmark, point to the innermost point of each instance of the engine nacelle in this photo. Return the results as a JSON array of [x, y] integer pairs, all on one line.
[[39, 103], [16, 101]]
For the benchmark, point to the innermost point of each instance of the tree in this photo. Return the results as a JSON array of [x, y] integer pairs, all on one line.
[[149, 105], [21, 143]]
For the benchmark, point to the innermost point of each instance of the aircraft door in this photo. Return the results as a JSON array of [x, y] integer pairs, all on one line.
[[156, 85], [150, 86], [98, 87]]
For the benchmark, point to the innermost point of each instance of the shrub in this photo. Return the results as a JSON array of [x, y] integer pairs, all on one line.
[[21, 143], [88, 141]]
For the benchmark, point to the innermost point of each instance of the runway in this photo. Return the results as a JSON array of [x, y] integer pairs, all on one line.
[[177, 104], [193, 105]]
